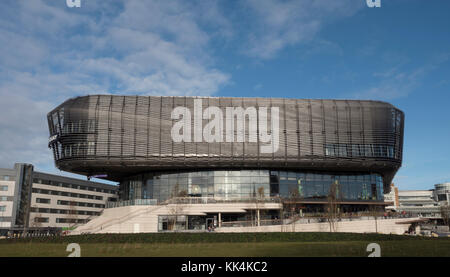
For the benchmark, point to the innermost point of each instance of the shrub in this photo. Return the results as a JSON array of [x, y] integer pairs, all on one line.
[[217, 238]]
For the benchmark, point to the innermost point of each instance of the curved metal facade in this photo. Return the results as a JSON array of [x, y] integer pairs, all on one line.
[[120, 136]]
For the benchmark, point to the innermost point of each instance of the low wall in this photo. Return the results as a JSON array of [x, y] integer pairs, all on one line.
[[383, 226]]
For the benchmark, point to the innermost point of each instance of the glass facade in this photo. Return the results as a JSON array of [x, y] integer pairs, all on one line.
[[246, 184]]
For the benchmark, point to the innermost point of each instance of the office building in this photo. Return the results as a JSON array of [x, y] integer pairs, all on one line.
[[39, 202]]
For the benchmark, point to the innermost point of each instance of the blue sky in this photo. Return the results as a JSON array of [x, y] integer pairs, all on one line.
[[398, 53]]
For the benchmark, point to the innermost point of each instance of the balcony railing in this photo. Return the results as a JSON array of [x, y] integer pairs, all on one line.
[[213, 200], [133, 202], [192, 200]]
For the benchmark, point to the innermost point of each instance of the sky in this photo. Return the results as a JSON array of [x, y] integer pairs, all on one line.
[[399, 53]]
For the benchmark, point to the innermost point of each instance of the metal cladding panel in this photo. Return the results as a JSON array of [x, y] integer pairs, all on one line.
[[291, 121], [367, 119], [128, 126], [104, 118], [115, 125], [237, 147], [166, 125], [123, 135], [356, 124], [265, 102], [305, 125], [281, 153], [189, 148], [141, 129], [331, 122], [317, 128], [178, 147], [226, 148], [154, 127], [214, 148], [250, 148], [343, 121]]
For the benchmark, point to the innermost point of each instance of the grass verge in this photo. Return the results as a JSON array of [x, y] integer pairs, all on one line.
[[228, 245]]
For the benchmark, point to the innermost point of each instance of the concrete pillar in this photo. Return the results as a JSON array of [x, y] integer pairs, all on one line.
[[257, 216], [220, 220]]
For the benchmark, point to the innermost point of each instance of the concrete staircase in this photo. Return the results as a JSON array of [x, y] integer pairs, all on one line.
[[144, 219], [111, 220]]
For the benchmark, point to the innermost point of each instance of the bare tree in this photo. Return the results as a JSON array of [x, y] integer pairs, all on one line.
[[175, 211], [35, 219], [282, 214], [294, 196], [260, 198], [445, 213], [73, 215], [261, 192], [178, 192], [175, 208], [333, 210], [374, 212]]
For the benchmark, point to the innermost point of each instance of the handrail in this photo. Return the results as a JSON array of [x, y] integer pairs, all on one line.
[[86, 220], [132, 202], [252, 223], [206, 200], [289, 221]]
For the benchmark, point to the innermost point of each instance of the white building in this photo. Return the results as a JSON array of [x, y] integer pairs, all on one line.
[[425, 203], [442, 193], [420, 202], [391, 199], [35, 201]]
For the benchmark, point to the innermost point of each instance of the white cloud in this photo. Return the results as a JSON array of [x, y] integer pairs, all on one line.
[[257, 87], [49, 53], [395, 82], [280, 24], [23, 133]]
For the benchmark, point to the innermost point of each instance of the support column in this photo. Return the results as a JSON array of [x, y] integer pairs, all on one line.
[[220, 220], [257, 216]]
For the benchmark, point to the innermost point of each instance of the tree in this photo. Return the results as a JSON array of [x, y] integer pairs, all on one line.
[[282, 214], [294, 196], [260, 198], [374, 212], [35, 219], [175, 209], [73, 215], [333, 211], [445, 213], [261, 192]]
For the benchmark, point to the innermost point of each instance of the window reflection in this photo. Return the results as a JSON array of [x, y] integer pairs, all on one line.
[[253, 183]]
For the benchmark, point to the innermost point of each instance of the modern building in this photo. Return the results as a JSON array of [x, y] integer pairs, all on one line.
[[420, 202], [34, 201], [299, 152], [391, 199], [442, 193], [423, 203]]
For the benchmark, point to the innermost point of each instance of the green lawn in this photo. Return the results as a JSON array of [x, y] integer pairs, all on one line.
[[245, 245]]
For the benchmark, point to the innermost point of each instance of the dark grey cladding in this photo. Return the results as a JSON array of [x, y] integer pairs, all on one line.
[[124, 135]]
